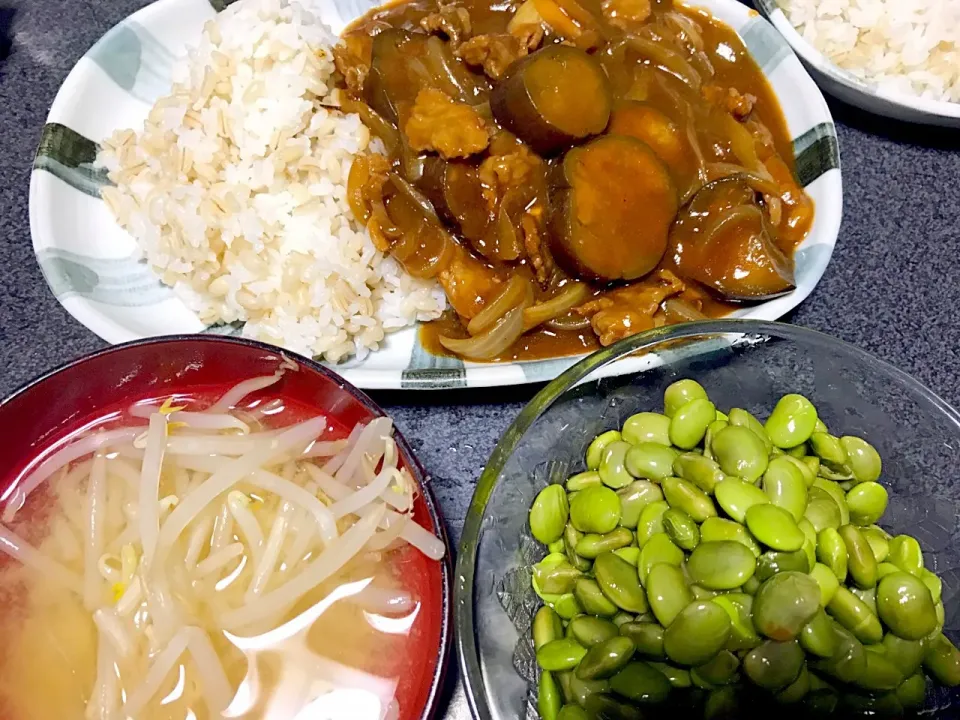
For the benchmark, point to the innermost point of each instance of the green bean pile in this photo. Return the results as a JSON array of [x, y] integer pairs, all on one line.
[[710, 560]]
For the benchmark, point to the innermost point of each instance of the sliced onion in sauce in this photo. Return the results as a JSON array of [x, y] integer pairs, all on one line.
[[677, 311], [415, 196], [560, 304], [491, 343], [515, 292], [669, 60], [570, 322]]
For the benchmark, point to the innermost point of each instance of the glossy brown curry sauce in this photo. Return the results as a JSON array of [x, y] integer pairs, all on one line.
[[733, 67]]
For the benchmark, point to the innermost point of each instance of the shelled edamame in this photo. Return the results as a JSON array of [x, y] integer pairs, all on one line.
[[708, 560]]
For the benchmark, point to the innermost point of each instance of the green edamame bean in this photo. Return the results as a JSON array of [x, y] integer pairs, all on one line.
[[646, 636], [861, 564], [613, 470], [667, 592], [942, 660], [934, 584], [862, 459], [716, 529], [784, 484], [659, 549], [721, 565], [907, 655], [651, 521], [699, 470], [797, 690], [583, 690], [557, 546], [774, 665], [829, 450], [867, 596], [809, 541], [773, 563], [850, 660], [905, 605], [634, 498], [827, 581], [712, 430], [839, 497], [881, 673], [567, 606], [548, 514], [606, 707], [571, 537], [591, 545], [595, 449], [589, 631], [878, 541], [822, 512], [784, 604], [867, 502], [554, 575], [622, 618], [647, 427], [581, 481], [641, 683], [832, 552], [739, 608], [719, 670], [817, 636], [547, 627], [561, 654], [774, 527], [679, 394], [806, 472], [572, 712], [740, 452], [677, 677], [906, 554], [791, 422], [650, 461], [606, 659], [548, 697], [855, 615], [689, 423], [736, 497], [912, 691], [681, 528], [619, 581], [630, 555], [697, 634], [688, 497], [592, 599], [885, 568], [739, 416], [595, 510], [702, 593]]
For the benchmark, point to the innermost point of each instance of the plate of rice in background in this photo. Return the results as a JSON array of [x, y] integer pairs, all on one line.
[[131, 253], [896, 58]]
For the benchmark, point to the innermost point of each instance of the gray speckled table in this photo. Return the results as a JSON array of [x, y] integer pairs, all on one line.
[[892, 287]]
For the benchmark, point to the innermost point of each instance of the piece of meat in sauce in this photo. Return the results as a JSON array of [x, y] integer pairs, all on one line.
[[537, 254], [468, 283], [509, 164], [625, 311], [494, 53], [443, 125], [351, 57], [626, 13], [451, 21], [738, 104]]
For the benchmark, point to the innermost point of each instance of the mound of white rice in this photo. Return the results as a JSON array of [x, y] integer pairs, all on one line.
[[906, 46], [235, 191]]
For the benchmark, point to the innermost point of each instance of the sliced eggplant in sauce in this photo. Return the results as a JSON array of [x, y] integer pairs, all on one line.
[[723, 239]]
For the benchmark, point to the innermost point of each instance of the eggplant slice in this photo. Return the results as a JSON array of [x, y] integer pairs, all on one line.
[[723, 239]]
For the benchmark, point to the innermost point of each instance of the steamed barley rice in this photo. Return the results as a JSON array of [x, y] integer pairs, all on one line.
[[902, 46], [235, 191]]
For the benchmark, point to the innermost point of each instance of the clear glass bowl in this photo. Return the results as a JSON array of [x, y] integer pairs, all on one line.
[[741, 363]]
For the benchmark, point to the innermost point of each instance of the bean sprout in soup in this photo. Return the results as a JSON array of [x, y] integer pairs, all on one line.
[[223, 554]]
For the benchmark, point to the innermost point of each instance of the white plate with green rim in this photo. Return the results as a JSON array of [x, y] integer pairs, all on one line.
[[852, 89], [89, 262]]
